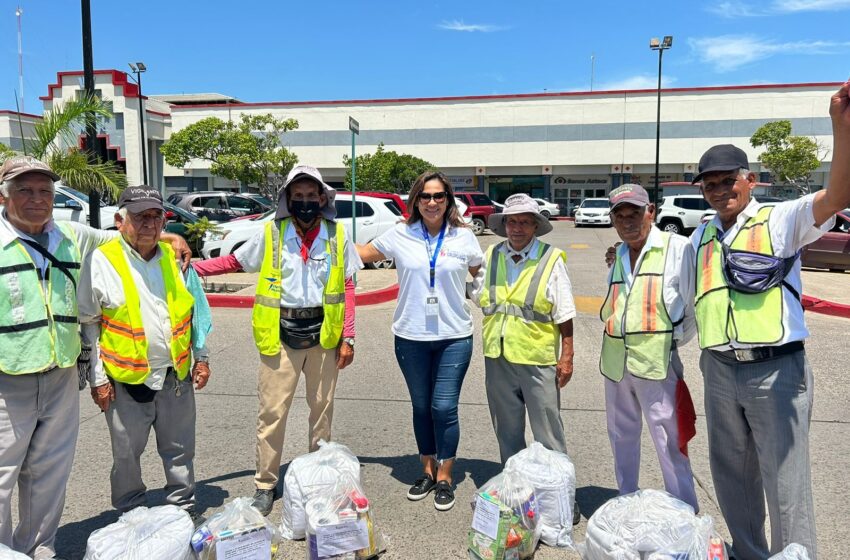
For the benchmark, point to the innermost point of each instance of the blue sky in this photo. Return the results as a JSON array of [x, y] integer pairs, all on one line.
[[357, 49]]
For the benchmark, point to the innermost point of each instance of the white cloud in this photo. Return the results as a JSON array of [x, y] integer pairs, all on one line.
[[736, 8], [456, 25], [811, 5], [638, 81], [730, 52]]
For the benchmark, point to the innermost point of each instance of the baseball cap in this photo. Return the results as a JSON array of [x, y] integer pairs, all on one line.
[[629, 193], [18, 165], [140, 198], [723, 157]]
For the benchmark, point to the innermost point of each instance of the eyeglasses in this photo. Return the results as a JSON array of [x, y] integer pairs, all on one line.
[[436, 197]]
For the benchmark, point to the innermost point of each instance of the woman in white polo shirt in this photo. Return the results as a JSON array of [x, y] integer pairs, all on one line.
[[433, 252]]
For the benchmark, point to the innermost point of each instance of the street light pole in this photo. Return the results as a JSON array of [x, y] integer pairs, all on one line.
[[92, 145], [137, 69], [659, 46]]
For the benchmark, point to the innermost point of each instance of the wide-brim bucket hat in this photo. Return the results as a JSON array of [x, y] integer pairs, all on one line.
[[306, 172], [519, 204]]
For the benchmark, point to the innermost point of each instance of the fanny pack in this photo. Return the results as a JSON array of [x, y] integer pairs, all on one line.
[[755, 273], [301, 334]]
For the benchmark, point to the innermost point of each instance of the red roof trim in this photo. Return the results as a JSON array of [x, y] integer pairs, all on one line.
[[15, 113], [157, 113], [82, 145], [511, 96], [119, 78]]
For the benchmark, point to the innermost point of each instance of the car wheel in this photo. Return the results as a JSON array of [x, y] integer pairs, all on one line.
[[478, 226], [545, 214], [671, 227], [386, 263]]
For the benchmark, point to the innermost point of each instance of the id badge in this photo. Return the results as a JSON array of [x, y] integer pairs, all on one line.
[[432, 306]]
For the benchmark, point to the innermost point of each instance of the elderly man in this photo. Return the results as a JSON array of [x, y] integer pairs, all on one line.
[[528, 310], [303, 316], [39, 345], [645, 318], [134, 305], [758, 381]]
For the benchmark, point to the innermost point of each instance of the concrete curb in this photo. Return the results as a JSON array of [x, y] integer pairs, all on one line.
[[243, 302], [826, 307]]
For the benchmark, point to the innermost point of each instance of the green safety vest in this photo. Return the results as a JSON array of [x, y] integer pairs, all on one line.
[[518, 318], [266, 313], [638, 333], [123, 344], [724, 315], [38, 329]]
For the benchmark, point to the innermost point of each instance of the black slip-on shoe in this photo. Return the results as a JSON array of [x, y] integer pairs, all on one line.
[[421, 488], [444, 496], [576, 514]]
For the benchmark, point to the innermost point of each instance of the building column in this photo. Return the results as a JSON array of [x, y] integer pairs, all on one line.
[[481, 184], [616, 180], [689, 177], [547, 188], [764, 177]]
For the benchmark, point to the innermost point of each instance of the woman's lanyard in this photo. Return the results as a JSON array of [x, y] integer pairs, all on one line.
[[433, 257]]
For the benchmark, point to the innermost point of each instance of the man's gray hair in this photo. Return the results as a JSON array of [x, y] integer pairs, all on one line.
[[743, 172]]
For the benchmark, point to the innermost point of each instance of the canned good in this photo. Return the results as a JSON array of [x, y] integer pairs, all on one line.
[[200, 537]]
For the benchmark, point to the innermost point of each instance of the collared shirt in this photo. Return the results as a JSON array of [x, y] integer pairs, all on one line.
[[675, 290], [101, 287], [559, 290], [303, 283], [791, 226]]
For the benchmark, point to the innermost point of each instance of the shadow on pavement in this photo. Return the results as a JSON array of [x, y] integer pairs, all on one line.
[[406, 468], [591, 498]]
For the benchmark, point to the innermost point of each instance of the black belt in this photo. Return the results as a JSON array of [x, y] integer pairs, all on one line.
[[301, 312], [761, 353]]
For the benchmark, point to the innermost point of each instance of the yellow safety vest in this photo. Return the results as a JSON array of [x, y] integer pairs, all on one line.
[[123, 345], [518, 318], [638, 333], [724, 315], [38, 329], [265, 318]]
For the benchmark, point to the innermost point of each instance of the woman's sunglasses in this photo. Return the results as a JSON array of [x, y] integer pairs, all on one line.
[[436, 197]]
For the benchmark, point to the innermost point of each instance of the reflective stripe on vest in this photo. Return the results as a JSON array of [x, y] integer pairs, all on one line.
[[265, 317], [38, 329], [724, 315], [123, 344], [638, 334], [518, 318]]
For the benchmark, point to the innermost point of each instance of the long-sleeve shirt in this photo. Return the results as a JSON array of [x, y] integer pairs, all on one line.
[[101, 287]]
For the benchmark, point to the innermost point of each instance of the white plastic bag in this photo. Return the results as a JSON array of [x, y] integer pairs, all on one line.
[[341, 523], [553, 477], [238, 526], [157, 533], [793, 551], [634, 526], [306, 475], [505, 519], [7, 553]]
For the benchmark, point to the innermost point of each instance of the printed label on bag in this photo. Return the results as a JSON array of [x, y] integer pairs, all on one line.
[[486, 518], [256, 545], [332, 540]]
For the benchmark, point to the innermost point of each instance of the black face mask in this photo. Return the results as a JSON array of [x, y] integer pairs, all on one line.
[[305, 210]]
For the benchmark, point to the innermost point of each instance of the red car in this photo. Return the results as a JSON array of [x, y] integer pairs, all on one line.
[[480, 208], [831, 251], [395, 203]]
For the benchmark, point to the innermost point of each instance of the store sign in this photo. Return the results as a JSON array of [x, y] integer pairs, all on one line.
[[460, 182], [647, 179], [568, 180]]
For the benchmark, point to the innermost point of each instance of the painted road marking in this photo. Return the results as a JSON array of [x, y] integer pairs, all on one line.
[[579, 246], [588, 304]]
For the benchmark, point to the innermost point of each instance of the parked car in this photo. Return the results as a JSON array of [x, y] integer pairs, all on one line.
[[832, 250], [547, 209], [217, 206], [681, 213], [261, 198], [593, 211], [73, 205], [393, 201], [711, 212], [461, 207], [373, 219], [480, 207], [176, 220]]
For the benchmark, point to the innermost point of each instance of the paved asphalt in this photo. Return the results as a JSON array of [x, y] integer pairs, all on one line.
[[372, 417]]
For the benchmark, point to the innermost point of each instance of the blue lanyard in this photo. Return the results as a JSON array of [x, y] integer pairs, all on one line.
[[433, 258]]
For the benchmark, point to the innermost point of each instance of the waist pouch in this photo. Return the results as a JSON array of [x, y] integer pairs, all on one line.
[[754, 273], [300, 334]]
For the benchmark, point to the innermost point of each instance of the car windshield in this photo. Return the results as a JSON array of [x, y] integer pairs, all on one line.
[[595, 204], [261, 199], [82, 196]]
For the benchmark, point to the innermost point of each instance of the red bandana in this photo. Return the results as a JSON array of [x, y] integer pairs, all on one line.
[[307, 241]]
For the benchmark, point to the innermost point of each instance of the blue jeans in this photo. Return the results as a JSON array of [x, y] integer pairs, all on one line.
[[434, 372]]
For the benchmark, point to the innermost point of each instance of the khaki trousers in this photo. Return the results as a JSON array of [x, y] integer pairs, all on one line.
[[276, 385]]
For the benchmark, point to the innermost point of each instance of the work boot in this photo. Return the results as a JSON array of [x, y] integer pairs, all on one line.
[[576, 514], [197, 518], [264, 501]]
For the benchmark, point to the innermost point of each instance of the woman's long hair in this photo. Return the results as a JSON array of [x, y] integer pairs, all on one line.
[[452, 214]]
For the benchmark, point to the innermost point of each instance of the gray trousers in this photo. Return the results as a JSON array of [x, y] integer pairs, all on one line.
[[513, 389], [39, 422], [758, 417], [172, 417]]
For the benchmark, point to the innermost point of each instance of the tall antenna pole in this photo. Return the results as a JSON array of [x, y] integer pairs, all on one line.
[[18, 13], [592, 69]]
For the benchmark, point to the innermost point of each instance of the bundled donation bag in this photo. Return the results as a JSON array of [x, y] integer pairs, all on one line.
[[238, 532], [504, 519], [650, 525], [7, 553], [341, 523], [553, 477], [793, 551], [157, 533], [307, 475]]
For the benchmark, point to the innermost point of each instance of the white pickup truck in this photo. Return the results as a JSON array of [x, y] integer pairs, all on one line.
[[73, 205]]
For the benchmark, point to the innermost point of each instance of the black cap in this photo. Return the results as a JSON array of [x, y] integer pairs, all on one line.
[[723, 157], [141, 198]]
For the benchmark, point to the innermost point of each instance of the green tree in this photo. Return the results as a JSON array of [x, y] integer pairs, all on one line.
[[791, 159], [386, 171], [6, 152], [248, 151]]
